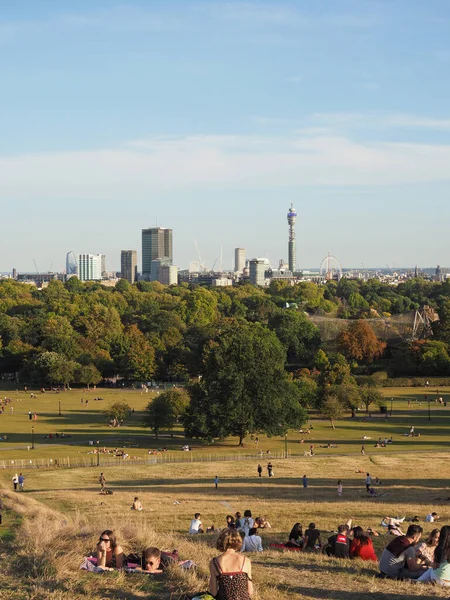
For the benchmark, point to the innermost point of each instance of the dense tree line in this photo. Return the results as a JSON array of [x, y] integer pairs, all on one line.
[[83, 332], [253, 358]]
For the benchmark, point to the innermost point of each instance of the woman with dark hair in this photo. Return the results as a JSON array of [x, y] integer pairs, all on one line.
[[109, 552], [441, 573], [361, 545], [231, 522], [296, 537], [231, 572], [427, 548]]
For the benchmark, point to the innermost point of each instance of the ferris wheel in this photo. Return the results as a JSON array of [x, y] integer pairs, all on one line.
[[330, 267]]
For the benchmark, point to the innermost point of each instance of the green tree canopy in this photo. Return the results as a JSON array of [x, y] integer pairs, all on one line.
[[166, 410], [118, 410], [244, 387]]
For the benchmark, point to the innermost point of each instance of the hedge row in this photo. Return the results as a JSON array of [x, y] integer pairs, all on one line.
[[373, 380]]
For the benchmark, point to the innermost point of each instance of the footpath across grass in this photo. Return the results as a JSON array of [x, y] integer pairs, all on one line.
[[63, 513], [85, 422]]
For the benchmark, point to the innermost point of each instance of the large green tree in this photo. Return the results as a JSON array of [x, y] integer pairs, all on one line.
[[166, 410], [244, 387], [299, 336]]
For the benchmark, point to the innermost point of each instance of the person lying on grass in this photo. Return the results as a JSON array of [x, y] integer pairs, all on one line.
[[151, 561], [109, 552]]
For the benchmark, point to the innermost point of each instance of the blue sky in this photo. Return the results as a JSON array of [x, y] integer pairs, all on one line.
[[211, 117]]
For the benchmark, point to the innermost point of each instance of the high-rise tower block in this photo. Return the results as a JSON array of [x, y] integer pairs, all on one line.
[[292, 217]]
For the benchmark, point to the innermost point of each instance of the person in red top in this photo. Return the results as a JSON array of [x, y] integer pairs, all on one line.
[[361, 546]]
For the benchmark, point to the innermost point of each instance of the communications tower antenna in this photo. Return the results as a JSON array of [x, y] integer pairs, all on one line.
[[291, 218]]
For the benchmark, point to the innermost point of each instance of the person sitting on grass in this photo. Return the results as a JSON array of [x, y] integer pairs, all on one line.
[[427, 548], [339, 543], [312, 538], [361, 545], [296, 539], [252, 542], [231, 523], [399, 560], [440, 575], [262, 523], [109, 552], [230, 573], [246, 522], [196, 525], [432, 517], [136, 504]]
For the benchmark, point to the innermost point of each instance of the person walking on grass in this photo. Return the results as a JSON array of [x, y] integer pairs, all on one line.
[[368, 481], [15, 481], [216, 481], [21, 482], [305, 481], [363, 449], [339, 488], [259, 469], [102, 482]]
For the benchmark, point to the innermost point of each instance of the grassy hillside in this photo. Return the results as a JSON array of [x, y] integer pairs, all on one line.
[[63, 513]]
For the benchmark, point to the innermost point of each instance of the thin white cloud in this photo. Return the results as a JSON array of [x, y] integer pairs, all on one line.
[[144, 167], [377, 119]]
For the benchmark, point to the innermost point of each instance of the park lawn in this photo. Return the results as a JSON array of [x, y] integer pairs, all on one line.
[[67, 513], [84, 423]]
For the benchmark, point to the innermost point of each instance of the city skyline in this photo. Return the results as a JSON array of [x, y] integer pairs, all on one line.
[[211, 118]]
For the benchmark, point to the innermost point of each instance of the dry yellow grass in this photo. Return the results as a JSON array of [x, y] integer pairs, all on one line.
[[64, 513]]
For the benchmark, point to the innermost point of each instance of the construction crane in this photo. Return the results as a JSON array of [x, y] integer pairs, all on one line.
[[200, 261], [36, 267]]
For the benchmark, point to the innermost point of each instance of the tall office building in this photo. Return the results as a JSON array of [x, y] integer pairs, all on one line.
[[71, 264], [292, 217], [128, 265], [239, 260], [168, 274], [257, 271], [90, 266], [156, 244]]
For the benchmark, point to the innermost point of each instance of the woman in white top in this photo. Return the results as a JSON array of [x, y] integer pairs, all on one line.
[[252, 542], [440, 575]]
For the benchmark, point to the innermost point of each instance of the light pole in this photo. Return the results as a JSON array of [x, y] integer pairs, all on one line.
[[392, 399], [32, 437], [285, 446], [59, 403]]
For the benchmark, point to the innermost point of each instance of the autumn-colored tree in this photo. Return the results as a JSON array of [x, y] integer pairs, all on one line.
[[360, 343]]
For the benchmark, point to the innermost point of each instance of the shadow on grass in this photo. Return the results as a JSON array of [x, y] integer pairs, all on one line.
[[345, 568], [323, 594]]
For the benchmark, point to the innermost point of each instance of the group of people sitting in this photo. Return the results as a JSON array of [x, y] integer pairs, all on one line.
[[246, 526], [428, 562], [347, 542]]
